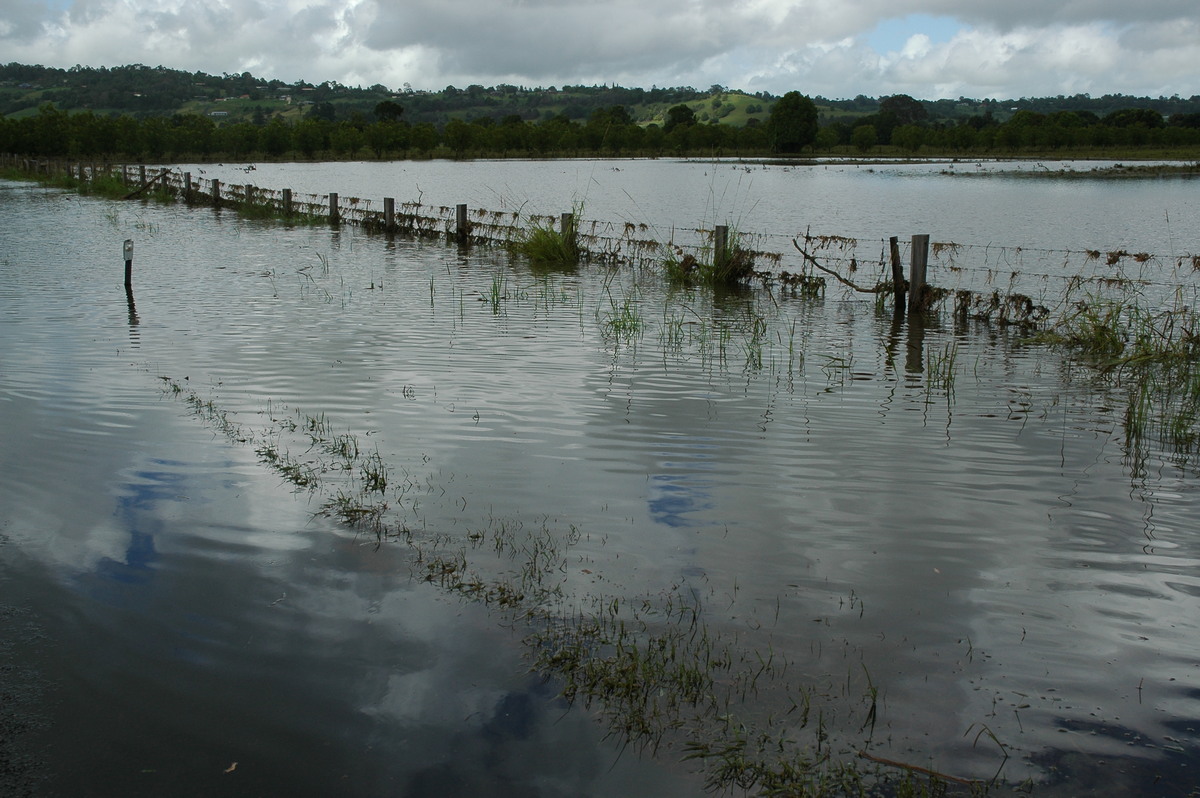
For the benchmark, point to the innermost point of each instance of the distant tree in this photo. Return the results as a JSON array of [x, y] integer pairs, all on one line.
[[323, 111], [458, 136], [192, 133], [384, 137], [51, 131], [310, 136], [793, 123], [614, 115], [908, 137], [346, 139], [1185, 120], [424, 137], [276, 138], [606, 127], [1135, 117], [906, 110], [238, 140], [863, 137], [388, 111], [679, 115]]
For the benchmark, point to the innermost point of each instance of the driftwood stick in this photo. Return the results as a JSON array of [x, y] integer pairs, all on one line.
[[914, 768], [147, 184], [836, 276]]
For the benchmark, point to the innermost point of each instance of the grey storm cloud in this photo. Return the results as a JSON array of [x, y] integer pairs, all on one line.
[[832, 47], [21, 19], [544, 40]]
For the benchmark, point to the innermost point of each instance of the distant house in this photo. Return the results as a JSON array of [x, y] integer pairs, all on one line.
[[218, 113]]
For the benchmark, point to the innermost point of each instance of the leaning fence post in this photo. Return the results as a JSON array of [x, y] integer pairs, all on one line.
[[333, 208], [897, 274], [389, 213], [462, 226], [916, 280]]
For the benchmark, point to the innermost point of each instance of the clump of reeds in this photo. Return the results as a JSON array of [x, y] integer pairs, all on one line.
[[1152, 356], [941, 367], [721, 265], [548, 245]]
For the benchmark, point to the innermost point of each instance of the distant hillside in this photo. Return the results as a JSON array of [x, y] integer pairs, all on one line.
[[155, 113], [141, 91]]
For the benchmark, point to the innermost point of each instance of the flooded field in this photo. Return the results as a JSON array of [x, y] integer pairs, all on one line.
[[316, 511]]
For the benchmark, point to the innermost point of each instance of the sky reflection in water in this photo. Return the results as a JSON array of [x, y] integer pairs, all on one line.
[[988, 557]]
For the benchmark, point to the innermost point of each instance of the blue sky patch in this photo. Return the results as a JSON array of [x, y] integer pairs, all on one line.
[[891, 34]]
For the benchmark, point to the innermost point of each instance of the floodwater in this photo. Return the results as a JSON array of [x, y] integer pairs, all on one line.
[[981, 203], [976, 545]]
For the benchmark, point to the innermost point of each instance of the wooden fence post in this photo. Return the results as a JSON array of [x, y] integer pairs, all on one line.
[[287, 202], [333, 208], [389, 213], [142, 173], [462, 225], [216, 192], [916, 280], [720, 245], [187, 186], [127, 250], [897, 275]]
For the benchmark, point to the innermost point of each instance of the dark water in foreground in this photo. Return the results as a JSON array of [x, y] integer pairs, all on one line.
[[975, 541]]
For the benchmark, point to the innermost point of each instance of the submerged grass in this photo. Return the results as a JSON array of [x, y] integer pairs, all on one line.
[[651, 666], [1152, 356]]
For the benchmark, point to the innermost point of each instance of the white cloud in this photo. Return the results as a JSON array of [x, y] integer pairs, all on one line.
[[829, 47]]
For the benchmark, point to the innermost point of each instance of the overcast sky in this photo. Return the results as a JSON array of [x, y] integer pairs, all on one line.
[[835, 48]]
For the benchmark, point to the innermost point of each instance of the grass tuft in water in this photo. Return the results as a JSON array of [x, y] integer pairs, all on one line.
[[548, 245], [719, 266]]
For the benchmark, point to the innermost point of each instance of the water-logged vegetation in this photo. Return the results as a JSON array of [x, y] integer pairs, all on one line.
[[771, 688], [661, 675]]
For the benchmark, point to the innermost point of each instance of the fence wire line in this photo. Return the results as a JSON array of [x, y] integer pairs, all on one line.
[[993, 274]]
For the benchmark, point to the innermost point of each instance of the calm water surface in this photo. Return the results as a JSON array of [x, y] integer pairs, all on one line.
[[970, 203], [1018, 584]]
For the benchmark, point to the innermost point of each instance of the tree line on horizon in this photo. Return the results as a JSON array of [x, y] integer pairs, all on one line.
[[791, 129], [339, 122]]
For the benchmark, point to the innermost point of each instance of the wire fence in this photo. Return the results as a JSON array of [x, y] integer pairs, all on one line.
[[1000, 283]]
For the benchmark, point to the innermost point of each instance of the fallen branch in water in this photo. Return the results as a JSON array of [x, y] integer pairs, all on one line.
[[876, 290], [914, 768], [147, 184]]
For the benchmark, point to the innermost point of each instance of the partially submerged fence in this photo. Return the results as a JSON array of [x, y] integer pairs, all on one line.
[[1013, 285]]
